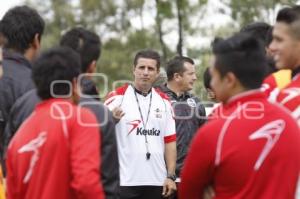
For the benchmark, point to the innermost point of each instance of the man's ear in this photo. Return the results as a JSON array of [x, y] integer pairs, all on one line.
[[92, 67], [36, 43], [231, 80], [176, 76]]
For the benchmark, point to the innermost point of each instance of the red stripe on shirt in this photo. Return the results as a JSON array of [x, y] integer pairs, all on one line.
[[170, 138]]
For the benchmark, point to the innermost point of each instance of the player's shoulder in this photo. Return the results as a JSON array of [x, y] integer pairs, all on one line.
[[162, 94], [120, 91]]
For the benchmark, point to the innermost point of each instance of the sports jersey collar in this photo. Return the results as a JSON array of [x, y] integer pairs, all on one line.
[[245, 96], [16, 56], [140, 92], [184, 96]]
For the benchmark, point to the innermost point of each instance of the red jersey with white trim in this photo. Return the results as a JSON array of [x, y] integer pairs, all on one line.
[[275, 82], [289, 97], [251, 151], [133, 130], [55, 154]]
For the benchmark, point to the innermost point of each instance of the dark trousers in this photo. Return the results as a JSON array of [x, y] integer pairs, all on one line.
[[141, 192]]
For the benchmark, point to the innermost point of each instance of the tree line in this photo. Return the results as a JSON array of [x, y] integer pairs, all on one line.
[[126, 26]]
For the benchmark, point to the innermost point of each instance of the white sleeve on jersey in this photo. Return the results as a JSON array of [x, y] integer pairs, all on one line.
[[170, 128]]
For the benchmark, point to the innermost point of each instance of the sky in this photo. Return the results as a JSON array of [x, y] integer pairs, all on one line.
[[6, 4]]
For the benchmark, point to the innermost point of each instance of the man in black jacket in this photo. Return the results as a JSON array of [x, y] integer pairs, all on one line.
[[189, 112], [22, 28], [87, 44]]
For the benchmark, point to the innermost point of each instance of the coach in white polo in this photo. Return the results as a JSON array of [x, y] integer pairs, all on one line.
[[145, 133]]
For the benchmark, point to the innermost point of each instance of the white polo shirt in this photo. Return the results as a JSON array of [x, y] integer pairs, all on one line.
[[135, 169]]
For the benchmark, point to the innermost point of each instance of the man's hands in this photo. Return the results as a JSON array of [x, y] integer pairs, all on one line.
[[117, 113], [169, 187]]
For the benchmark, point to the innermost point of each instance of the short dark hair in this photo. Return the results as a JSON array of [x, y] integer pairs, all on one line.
[[290, 16], [244, 56], [59, 63], [85, 42], [259, 30], [147, 53], [19, 26], [206, 78], [176, 65]]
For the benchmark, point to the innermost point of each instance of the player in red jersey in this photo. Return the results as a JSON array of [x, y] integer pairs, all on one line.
[[252, 149], [55, 153], [286, 48]]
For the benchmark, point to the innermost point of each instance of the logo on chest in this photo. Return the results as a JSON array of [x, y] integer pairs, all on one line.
[[158, 113], [151, 132], [133, 124]]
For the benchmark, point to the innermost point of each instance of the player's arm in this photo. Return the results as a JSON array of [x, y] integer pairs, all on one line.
[[170, 153], [85, 157], [198, 167]]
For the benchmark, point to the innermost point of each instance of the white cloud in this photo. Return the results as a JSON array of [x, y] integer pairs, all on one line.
[[6, 5]]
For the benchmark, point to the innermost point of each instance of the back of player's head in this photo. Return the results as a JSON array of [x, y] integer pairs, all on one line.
[[56, 64], [176, 65], [244, 56], [85, 42], [148, 54], [259, 30], [290, 16], [19, 26]]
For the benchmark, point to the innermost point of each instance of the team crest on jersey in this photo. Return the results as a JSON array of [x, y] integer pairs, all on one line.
[[191, 102], [158, 113], [133, 124]]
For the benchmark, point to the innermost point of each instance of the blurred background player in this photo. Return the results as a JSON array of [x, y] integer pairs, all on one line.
[[274, 79], [286, 49], [21, 31], [188, 109], [59, 142]]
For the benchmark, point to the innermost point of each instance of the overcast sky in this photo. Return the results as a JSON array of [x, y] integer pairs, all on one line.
[[6, 4]]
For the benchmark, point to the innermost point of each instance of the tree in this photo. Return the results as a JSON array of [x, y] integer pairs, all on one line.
[[256, 10]]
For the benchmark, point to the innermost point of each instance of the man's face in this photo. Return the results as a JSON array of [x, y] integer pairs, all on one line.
[[285, 47], [218, 84], [188, 77], [145, 72]]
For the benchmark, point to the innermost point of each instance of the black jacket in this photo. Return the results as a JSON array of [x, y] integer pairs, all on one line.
[[189, 116], [109, 157], [16, 81]]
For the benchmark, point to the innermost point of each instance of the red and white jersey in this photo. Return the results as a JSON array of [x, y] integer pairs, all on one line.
[[135, 169], [55, 154], [252, 150], [276, 81], [289, 97]]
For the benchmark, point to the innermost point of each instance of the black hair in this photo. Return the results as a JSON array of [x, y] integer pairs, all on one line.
[[85, 42], [259, 30], [19, 26], [207, 78], [176, 65], [290, 16], [149, 54], [244, 56], [59, 63]]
